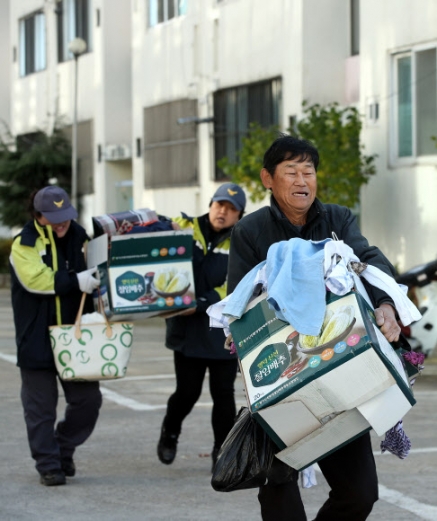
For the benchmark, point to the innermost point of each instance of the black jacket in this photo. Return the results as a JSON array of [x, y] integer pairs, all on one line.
[[255, 233], [192, 334], [42, 297]]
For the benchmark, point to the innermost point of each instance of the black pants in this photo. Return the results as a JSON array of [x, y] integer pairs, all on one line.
[[190, 373], [351, 474], [39, 396]]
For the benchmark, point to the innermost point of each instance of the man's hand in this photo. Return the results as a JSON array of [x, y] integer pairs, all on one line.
[[386, 319]]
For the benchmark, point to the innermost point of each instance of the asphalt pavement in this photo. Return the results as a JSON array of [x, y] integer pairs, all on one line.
[[120, 478]]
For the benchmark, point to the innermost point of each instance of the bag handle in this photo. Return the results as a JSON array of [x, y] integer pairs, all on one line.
[[78, 332]]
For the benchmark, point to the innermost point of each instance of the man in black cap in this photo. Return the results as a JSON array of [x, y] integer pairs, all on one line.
[[196, 346], [290, 172], [48, 276]]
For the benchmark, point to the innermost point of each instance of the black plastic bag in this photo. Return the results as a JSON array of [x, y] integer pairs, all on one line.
[[247, 458]]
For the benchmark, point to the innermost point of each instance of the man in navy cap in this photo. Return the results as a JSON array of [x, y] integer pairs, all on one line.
[[196, 346], [48, 276]]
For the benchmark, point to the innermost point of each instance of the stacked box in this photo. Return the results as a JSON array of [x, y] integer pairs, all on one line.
[[144, 274], [312, 400]]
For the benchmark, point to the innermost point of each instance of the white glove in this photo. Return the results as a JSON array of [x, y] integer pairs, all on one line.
[[87, 283]]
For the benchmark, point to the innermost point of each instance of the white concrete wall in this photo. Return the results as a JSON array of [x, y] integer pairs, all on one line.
[[116, 26], [326, 46], [399, 210], [181, 59], [162, 70], [112, 98]]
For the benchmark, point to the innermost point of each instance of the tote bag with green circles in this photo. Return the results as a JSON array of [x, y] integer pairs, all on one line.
[[91, 351]]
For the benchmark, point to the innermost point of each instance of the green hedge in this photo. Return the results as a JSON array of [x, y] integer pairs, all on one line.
[[5, 250]]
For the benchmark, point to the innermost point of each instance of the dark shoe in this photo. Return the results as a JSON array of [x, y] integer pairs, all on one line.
[[214, 455], [52, 478], [167, 447], [68, 466]]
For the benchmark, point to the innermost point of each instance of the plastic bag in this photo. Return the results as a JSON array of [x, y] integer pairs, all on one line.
[[247, 458]]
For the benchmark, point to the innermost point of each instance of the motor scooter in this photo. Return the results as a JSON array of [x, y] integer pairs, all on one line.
[[422, 289]]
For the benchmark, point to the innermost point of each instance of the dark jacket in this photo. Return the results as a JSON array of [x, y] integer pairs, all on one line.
[[44, 289], [255, 233], [192, 334]]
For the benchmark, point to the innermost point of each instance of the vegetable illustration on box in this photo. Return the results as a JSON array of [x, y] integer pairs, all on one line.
[[170, 282], [282, 360], [336, 325]]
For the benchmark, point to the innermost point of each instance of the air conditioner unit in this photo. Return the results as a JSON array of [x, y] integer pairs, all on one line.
[[117, 152]]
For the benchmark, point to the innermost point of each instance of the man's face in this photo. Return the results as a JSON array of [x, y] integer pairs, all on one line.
[[294, 185], [222, 214], [60, 229]]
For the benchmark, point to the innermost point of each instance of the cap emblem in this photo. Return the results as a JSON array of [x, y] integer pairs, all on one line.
[[58, 204], [232, 192]]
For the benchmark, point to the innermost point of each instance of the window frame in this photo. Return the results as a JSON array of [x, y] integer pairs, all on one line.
[[68, 28], [395, 159], [37, 47], [179, 9], [240, 95]]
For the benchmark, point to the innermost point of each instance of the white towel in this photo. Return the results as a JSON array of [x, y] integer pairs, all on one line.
[[338, 280]]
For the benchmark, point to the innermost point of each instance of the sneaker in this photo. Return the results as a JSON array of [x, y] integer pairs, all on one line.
[[68, 466], [167, 447], [52, 478]]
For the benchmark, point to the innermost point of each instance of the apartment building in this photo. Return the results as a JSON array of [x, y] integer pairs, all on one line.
[[168, 87], [204, 69], [216, 65]]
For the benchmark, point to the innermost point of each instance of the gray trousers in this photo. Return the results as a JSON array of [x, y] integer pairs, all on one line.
[[50, 443]]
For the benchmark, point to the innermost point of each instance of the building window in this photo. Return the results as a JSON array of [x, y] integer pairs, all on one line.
[[162, 10], [32, 44], [236, 108], [415, 102], [73, 21], [170, 149], [355, 27]]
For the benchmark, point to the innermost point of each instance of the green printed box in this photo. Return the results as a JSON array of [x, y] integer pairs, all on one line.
[[298, 387], [144, 274]]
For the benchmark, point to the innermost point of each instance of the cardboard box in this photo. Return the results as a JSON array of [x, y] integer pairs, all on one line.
[[312, 401], [144, 274]]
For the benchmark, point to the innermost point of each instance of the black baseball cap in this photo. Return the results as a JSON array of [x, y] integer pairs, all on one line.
[[54, 204], [232, 193]]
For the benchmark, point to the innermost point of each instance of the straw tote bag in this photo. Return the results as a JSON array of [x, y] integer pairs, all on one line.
[[96, 350]]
